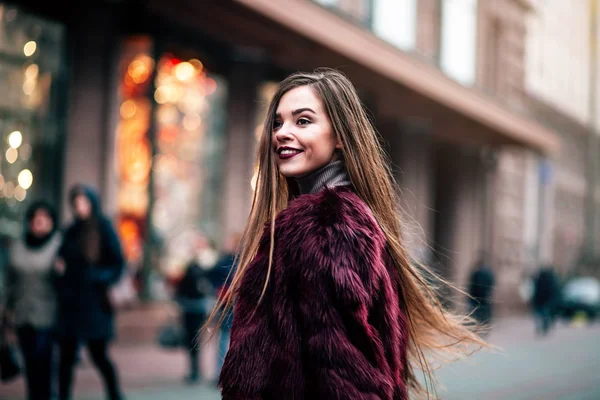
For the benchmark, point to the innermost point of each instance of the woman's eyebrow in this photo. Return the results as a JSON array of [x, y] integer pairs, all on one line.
[[301, 110], [298, 111]]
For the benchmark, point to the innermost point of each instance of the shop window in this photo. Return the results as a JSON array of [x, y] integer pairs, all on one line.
[[133, 145], [31, 62], [395, 21], [328, 3], [358, 11], [190, 146], [170, 149], [458, 41]]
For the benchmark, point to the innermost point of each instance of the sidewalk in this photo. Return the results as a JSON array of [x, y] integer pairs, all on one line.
[[148, 372], [145, 370]]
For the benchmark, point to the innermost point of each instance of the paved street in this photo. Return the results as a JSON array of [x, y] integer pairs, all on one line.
[[563, 366]]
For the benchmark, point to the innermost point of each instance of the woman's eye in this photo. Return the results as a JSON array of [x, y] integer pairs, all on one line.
[[303, 121], [276, 124]]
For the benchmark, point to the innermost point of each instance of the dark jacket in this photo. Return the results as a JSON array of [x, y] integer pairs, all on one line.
[[194, 290], [85, 310], [330, 325], [546, 290], [222, 274], [481, 284]]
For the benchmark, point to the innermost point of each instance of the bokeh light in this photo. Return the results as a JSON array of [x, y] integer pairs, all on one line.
[[197, 64], [191, 121], [15, 139], [25, 179], [29, 48], [140, 69], [184, 71], [11, 155], [9, 190], [20, 193], [161, 95], [32, 71], [29, 87], [128, 109]]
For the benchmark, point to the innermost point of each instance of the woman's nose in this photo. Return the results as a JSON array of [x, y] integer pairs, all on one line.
[[283, 134]]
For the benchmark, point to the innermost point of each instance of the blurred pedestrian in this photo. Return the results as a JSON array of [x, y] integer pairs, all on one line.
[[221, 277], [546, 299], [194, 294], [31, 298], [90, 262], [481, 288], [326, 298]]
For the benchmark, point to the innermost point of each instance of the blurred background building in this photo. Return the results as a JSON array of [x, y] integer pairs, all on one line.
[[489, 109]]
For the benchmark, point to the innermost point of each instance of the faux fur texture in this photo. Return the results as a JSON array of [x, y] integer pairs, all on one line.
[[330, 325]]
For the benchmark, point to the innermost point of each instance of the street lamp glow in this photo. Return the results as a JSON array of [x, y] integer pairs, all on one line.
[[15, 139], [29, 48], [25, 179]]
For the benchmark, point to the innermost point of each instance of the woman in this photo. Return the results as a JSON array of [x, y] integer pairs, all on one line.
[[31, 300], [91, 262], [327, 303]]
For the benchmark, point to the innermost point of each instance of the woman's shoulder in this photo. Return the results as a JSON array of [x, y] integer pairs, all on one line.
[[16, 245], [336, 207], [333, 221], [107, 228]]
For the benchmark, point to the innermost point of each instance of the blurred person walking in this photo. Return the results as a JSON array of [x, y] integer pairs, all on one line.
[[481, 288], [31, 297], [90, 262], [327, 302], [221, 277], [546, 298], [194, 294]]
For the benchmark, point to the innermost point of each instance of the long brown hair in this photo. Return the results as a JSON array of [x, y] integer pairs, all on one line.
[[433, 329], [88, 230]]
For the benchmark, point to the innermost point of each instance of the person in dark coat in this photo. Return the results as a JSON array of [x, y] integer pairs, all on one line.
[[327, 302], [220, 277], [546, 297], [481, 288], [90, 262], [193, 293], [31, 297]]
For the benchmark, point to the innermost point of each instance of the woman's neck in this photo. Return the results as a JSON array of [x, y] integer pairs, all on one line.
[[331, 175]]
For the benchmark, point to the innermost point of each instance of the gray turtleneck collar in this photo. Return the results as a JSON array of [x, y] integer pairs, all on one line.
[[331, 175]]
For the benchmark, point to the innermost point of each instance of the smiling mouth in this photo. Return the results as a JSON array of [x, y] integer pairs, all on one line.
[[287, 153]]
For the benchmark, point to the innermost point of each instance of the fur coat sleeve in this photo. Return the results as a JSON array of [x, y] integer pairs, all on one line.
[[329, 325]]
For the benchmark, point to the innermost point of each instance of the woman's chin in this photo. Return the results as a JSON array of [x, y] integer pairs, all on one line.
[[289, 171]]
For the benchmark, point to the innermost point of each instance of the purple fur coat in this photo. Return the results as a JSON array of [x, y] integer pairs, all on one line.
[[330, 325]]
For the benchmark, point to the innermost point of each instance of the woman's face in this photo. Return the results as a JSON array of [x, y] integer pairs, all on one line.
[[82, 207], [302, 140], [41, 224]]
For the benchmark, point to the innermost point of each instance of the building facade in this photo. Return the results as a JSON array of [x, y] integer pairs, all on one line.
[[563, 89], [163, 101]]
